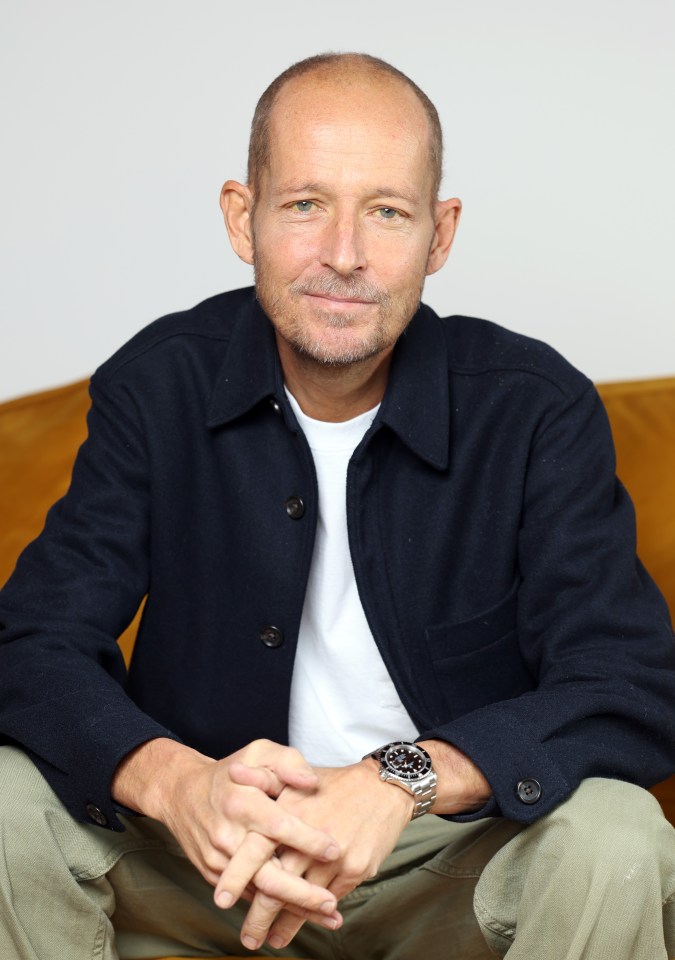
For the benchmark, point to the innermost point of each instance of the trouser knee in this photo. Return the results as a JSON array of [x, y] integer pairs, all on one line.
[[54, 898], [598, 870], [24, 791], [611, 827]]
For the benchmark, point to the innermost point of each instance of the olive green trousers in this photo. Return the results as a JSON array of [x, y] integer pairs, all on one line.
[[594, 879]]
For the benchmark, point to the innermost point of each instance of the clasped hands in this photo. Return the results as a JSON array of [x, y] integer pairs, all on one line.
[[351, 806], [263, 825]]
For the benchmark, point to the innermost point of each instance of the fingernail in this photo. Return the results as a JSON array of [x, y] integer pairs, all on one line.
[[328, 907], [331, 852], [250, 943], [225, 899], [276, 941], [330, 923]]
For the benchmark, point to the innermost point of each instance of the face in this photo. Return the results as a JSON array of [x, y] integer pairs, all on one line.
[[343, 230]]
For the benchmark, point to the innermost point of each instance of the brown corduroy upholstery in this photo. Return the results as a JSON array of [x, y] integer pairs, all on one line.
[[40, 434]]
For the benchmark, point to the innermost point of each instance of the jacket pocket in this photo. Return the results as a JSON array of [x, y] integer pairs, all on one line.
[[478, 661]]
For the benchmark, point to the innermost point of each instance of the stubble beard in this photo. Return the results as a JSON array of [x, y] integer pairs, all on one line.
[[393, 317]]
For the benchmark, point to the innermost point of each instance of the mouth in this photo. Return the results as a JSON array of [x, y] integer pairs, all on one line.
[[336, 301]]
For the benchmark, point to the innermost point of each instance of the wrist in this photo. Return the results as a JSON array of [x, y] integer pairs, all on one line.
[[146, 778], [389, 795], [462, 787]]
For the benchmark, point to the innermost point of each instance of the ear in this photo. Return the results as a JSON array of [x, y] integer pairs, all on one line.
[[446, 218], [236, 202]]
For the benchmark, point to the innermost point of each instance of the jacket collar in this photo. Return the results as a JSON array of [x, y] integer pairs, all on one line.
[[415, 405], [251, 371]]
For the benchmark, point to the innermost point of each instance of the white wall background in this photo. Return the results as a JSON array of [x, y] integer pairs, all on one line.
[[120, 120]]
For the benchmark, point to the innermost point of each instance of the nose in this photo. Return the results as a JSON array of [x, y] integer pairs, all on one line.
[[343, 248]]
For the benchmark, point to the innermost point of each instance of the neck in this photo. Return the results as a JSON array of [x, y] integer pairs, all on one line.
[[334, 393]]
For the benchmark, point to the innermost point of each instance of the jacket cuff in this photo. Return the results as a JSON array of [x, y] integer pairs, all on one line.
[[87, 796], [526, 784]]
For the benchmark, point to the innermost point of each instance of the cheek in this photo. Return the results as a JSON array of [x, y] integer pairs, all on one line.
[[286, 256], [404, 267]]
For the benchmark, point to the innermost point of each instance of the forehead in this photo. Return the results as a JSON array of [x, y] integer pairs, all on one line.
[[349, 127]]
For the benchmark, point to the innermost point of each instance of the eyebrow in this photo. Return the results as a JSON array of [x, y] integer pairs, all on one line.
[[315, 187]]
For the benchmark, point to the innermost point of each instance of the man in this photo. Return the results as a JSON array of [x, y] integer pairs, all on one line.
[[364, 532]]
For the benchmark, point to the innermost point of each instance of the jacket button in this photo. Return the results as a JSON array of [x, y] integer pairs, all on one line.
[[295, 508], [529, 791], [96, 814], [275, 405], [272, 637]]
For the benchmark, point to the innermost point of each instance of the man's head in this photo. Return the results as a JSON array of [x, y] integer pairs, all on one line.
[[340, 217], [347, 65]]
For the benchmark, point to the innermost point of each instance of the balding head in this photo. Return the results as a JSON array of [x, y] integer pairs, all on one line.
[[337, 69], [340, 217]]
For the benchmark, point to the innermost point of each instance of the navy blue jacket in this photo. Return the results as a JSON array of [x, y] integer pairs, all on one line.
[[492, 547]]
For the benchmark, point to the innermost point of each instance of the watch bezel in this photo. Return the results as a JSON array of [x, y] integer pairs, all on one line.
[[398, 748]]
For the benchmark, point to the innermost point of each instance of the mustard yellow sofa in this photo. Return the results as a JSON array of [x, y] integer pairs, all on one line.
[[40, 434]]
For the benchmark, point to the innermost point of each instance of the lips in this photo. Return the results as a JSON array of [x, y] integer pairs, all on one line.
[[338, 290], [349, 301]]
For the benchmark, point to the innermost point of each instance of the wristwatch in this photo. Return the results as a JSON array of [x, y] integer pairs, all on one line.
[[409, 766]]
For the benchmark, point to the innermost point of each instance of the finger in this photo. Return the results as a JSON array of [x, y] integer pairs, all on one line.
[[308, 916], [287, 925], [262, 914], [293, 891], [279, 890], [258, 813], [253, 852], [261, 777], [284, 929], [271, 880], [258, 920], [287, 762], [324, 875]]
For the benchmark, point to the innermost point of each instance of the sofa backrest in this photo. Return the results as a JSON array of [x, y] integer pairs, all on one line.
[[642, 415]]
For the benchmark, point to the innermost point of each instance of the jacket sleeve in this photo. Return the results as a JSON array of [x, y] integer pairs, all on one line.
[[73, 592], [592, 628]]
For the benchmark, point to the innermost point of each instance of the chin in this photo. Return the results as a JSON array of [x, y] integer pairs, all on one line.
[[342, 354]]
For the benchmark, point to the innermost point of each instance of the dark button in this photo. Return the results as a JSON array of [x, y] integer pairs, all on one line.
[[295, 508], [272, 636], [275, 405], [97, 815], [529, 791]]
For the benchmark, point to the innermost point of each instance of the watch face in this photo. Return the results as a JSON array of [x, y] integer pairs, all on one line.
[[407, 762]]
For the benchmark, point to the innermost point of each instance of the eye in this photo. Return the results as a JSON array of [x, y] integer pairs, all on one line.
[[303, 206], [387, 213]]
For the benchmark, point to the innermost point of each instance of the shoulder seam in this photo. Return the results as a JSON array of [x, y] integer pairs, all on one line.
[[101, 374], [518, 368]]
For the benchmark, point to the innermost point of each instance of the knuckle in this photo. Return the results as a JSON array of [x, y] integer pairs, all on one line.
[[256, 747], [260, 845], [222, 839], [214, 862], [307, 902], [269, 903], [352, 875], [340, 888], [286, 929]]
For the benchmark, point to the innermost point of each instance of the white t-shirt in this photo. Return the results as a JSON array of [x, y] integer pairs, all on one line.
[[343, 701]]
